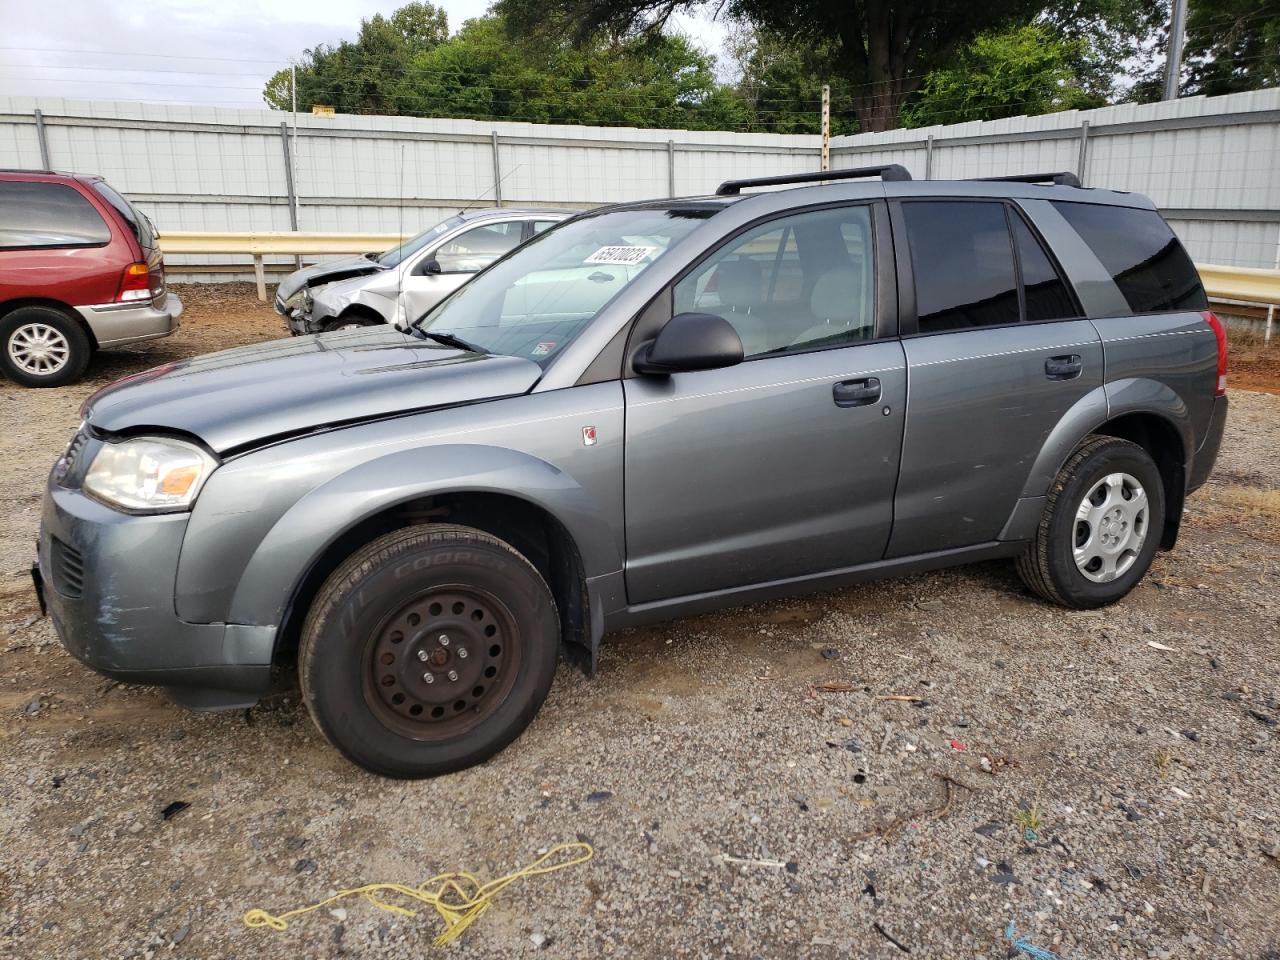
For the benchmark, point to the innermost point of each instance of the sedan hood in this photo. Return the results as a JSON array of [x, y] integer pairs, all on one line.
[[326, 272], [238, 398]]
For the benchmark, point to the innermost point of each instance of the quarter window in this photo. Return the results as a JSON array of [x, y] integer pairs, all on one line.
[[962, 262], [48, 215], [802, 282], [477, 248], [1142, 255]]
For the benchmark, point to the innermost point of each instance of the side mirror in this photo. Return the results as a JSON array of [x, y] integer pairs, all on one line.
[[690, 341], [432, 266]]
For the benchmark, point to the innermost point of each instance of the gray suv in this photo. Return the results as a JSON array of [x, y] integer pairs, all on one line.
[[650, 410]]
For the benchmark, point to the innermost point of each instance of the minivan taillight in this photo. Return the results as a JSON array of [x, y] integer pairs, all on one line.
[[135, 284], [1220, 332]]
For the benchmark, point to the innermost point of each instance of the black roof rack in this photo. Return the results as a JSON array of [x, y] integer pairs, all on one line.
[[1064, 179], [889, 171]]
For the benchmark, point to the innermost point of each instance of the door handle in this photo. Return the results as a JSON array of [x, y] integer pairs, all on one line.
[[1066, 367], [856, 393]]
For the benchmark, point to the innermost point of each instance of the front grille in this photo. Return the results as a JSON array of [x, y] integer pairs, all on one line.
[[68, 569]]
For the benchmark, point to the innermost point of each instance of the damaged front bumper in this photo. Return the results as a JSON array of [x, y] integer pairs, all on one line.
[[108, 581]]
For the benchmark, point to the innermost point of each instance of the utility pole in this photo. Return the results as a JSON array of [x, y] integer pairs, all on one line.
[[1173, 68], [826, 127], [293, 154]]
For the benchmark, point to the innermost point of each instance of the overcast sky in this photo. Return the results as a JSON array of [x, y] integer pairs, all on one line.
[[189, 51]]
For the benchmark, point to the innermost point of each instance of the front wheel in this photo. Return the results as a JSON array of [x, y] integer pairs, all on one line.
[[1101, 526], [428, 651]]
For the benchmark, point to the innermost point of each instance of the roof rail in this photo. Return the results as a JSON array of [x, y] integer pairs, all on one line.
[[889, 171], [1064, 179]]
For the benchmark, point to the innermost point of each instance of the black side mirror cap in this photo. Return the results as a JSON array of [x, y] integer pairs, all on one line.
[[690, 341], [432, 266]]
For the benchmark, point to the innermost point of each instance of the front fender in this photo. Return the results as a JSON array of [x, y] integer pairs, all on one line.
[[335, 299], [319, 518]]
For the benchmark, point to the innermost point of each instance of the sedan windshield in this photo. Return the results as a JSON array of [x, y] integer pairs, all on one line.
[[536, 300], [394, 256]]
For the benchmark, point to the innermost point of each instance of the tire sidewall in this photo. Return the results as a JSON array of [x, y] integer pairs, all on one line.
[[334, 673], [1077, 589], [79, 347]]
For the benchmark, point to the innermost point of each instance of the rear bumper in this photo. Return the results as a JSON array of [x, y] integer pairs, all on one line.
[[116, 323], [1207, 455], [108, 581]]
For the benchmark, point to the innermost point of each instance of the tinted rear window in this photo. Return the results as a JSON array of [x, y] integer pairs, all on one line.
[[1142, 255], [963, 264], [137, 221], [48, 215]]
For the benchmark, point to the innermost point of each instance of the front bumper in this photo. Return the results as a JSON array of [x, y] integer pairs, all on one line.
[[118, 323], [298, 314], [108, 580]]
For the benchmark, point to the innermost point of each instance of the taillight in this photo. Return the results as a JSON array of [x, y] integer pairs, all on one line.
[[1221, 334], [135, 284]]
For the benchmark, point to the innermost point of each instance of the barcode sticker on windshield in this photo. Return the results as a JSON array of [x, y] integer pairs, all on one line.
[[622, 255]]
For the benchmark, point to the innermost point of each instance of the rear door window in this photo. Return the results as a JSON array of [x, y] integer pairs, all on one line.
[[48, 215], [1045, 293], [962, 261], [1144, 258]]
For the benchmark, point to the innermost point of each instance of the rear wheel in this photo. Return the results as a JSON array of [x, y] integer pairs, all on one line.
[[1101, 526], [428, 651], [42, 347]]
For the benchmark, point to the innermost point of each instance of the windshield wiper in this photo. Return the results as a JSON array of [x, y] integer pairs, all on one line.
[[448, 339]]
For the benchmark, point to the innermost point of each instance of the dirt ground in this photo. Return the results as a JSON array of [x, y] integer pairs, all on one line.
[[1105, 782]]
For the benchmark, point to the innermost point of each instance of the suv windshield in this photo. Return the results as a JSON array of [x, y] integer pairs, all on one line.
[[537, 299], [394, 256]]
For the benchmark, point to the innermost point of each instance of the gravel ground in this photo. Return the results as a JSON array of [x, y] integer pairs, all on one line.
[[736, 807]]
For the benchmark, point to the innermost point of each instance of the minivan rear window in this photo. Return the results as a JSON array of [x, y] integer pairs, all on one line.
[[1142, 255], [136, 220], [34, 214]]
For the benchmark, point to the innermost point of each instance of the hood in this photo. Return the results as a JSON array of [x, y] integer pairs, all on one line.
[[326, 272], [236, 398]]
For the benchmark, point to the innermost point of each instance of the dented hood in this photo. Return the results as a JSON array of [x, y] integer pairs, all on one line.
[[327, 272], [238, 398]]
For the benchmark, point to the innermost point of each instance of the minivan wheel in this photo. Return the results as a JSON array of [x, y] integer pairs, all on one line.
[[42, 347], [1101, 526], [428, 650]]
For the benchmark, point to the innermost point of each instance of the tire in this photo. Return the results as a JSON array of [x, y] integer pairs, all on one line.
[[351, 322], [486, 630], [1111, 558], [43, 347]]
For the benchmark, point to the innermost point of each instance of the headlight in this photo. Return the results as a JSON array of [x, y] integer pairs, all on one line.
[[149, 474]]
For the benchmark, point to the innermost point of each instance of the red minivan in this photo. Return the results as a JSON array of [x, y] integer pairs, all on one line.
[[80, 269]]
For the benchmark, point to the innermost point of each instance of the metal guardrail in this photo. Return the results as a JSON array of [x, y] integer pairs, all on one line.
[[1234, 284], [283, 242]]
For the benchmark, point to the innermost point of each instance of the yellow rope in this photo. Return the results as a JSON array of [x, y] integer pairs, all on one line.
[[459, 898]]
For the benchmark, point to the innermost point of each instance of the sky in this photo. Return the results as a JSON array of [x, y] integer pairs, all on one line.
[[191, 51]]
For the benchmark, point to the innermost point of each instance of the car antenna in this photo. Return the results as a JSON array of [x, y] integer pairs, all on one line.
[[497, 183], [400, 266]]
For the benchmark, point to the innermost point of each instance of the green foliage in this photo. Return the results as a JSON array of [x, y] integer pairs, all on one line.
[[1232, 46], [1026, 70]]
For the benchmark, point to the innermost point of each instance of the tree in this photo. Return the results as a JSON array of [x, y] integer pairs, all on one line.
[[1232, 46], [407, 64], [780, 83], [1027, 70], [365, 76], [881, 48]]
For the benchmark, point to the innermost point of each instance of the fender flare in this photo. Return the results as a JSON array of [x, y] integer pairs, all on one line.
[[1096, 408], [302, 535]]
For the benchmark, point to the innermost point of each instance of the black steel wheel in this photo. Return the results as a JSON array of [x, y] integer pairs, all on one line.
[[428, 650]]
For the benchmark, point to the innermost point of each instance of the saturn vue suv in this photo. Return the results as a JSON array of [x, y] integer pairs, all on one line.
[[648, 410]]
